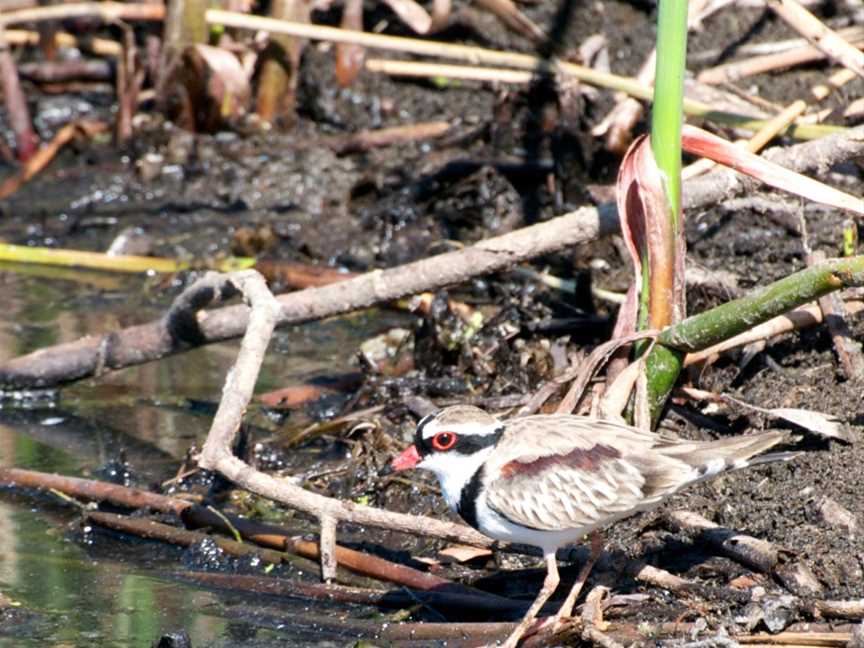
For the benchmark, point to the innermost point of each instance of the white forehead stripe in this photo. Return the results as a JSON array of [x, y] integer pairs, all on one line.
[[461, 429]]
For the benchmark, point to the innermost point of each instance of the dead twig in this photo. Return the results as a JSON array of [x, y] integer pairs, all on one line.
[[853, 610], [834, 314], [508, 13], [106, 11], [240, 382], [800, 318], [814, 30], [196, 516], [44, 155], [747, 550], [376, 138], [99, 46], [729, 72], [827, 639], [343, 594]]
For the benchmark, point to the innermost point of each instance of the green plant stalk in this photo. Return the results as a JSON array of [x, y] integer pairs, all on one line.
[[667, 116], [667, 113], [850, 237], [727, 320]]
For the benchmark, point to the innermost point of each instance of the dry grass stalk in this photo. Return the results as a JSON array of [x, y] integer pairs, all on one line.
[[729, 72], [98, 46], [814, 30]]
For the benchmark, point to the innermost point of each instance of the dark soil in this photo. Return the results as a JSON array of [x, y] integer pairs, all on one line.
[[517, 157]]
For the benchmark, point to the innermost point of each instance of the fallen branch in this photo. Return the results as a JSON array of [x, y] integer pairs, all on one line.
[[730, 72], [183, 328], [749, 551], [239, 385], [90, 355]]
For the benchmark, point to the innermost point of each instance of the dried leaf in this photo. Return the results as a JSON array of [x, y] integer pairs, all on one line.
[[412, 14], [617, 394], [824, 425], [215, 86], [648, 233], [464, 553], [702, 143], [586, 371]]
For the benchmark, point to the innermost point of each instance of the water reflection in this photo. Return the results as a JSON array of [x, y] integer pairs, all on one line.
[[100, 589]]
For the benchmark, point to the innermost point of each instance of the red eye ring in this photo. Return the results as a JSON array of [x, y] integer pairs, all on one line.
[[444, 441]]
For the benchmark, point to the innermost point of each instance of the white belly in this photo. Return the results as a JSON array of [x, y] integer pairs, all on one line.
[[498, 527]]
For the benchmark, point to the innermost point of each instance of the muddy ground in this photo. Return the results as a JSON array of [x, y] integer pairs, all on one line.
[[517, 157]]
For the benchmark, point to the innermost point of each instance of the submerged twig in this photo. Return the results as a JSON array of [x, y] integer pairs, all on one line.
[[196, 516]]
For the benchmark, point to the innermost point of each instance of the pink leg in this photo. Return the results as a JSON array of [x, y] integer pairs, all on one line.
[[549, 585], [596, 549]]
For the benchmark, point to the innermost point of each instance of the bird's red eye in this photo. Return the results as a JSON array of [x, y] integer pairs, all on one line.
[[443, 440]]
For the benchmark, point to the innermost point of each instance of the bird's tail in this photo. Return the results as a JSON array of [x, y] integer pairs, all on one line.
[[714, 457]]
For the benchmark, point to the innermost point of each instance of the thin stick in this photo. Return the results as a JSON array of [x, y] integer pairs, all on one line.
[[819, 35], [771, 62], [464, 72], [753, 552], [106, 11], [797, 638], [800, 318], [196, 516], [100, 46], [17, 110], [44, 155]]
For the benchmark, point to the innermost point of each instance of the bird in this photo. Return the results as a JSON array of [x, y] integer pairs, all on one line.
[[548, 480]]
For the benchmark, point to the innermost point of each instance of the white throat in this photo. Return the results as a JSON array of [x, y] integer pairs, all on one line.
[[454, 471]]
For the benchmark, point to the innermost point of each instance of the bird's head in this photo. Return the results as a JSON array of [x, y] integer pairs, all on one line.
[[452, 443]]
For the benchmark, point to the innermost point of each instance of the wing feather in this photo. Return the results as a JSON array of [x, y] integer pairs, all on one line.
[[577, 472]]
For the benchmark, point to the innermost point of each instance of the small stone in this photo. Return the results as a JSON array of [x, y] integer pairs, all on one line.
[[149, 167], [836, 515], [778, 612]]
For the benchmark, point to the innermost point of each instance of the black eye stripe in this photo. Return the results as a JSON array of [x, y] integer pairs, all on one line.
[[466, 444], [471, 443]]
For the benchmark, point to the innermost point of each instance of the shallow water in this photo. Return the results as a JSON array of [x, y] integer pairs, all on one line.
[[97, 588]]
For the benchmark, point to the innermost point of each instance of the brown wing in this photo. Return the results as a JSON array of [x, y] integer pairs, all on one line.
[[576, 472]]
